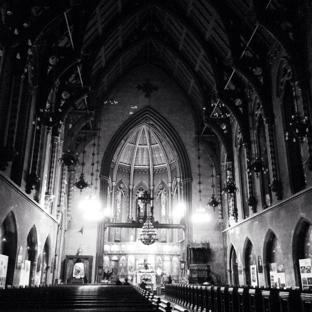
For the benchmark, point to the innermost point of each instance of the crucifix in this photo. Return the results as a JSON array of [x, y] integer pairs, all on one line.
[[145, 199]]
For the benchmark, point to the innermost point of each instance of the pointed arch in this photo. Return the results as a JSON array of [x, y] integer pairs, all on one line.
[[32, 252], [120, 205], [233, 266], [8, 244], [158, 123], [249, 259], [155, 118], [272, 254], [302, 237], [45, 266]]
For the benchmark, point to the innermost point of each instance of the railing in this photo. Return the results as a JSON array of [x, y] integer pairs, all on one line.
[[201, 298]]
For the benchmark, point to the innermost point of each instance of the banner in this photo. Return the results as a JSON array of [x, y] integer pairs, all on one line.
[[254, 275], [277, 275], [25, 273], [305, 273], [3, 269], [273, 275]]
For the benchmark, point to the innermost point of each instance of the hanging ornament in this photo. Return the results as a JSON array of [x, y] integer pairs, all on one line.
[[69, 159], [81, 183], [256, 165], [229, 187], [299, 128], [213, 201]]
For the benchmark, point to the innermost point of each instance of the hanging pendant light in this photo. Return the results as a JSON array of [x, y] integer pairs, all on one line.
[[230, 187], [256, 164], [299, 125], [148, 234], [81, 183], [299, 128], [213, 201]]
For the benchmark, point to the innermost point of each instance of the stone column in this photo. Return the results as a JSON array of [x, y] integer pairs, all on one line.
[[113, 200], [130, 216], [276, 185], [170, 218], [49, 196], [70, 190]]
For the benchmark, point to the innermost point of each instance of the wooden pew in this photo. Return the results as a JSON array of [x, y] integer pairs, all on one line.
[[289, 300], [233, 299], [179, 309], [255, 300], [164, 306], [70, 298], [243, 299], [270, 300], [306, 302]]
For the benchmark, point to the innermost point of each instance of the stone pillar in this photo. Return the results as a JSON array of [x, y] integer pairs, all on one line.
[[130, 216], [251, 199], [49, 196], [101, 224], [276, 185], [170, 202], [71, 186], [62, 192], [113, 200]]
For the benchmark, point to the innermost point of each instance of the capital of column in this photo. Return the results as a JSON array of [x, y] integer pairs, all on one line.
[[102, 177], [55, 139]]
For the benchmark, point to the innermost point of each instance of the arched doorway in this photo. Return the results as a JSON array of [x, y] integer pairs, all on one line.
[[302, 246], [8, 244], [233, 267], [249, 259], [274, 261], [32, 249]]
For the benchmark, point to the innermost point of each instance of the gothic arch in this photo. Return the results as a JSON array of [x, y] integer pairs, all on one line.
[[301, 231], [233, 266], [248, 259], [8, 244], [32, 252], [183, 167], [272, 253], [46, 255]]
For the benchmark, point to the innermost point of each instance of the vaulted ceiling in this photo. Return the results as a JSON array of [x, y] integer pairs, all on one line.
[[213, 50]]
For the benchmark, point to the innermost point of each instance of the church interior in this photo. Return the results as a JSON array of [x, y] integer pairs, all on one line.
[[156, 141]]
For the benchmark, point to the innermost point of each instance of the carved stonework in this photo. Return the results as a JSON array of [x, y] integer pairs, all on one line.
[[48, 200]]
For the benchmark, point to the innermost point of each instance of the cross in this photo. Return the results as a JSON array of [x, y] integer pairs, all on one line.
[[147, 87], [146, 198]]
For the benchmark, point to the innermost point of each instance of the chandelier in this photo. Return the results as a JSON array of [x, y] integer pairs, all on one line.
[[81, 183], [148, 235]]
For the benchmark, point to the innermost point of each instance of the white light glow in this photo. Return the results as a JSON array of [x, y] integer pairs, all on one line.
[[91, 207], [180, 210], [93, 215], [89, 201], [200, 216]]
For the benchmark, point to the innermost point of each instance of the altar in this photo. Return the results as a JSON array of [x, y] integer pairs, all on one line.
[[148, 276]]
